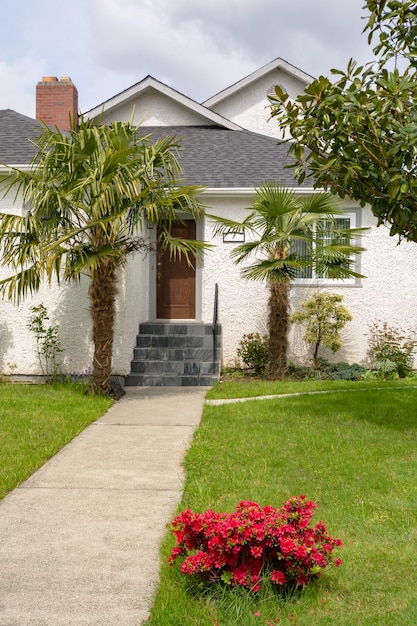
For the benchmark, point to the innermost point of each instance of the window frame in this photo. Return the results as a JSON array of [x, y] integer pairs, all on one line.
[[354, 214]]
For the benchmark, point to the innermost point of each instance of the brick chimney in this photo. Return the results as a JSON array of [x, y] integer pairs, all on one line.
[[57, 102]]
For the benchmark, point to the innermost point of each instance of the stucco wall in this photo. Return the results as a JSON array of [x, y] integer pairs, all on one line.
[[9, 203], [132, 308], [388, 294], [153, 108], [241, 303], [68, 308], [249, 107]]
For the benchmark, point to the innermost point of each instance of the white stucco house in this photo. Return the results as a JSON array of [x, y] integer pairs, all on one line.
[[229, 146]]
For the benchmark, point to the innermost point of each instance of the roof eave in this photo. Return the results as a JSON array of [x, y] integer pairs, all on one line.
[[25, 167]]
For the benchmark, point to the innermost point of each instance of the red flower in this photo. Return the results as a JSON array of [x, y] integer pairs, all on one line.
[[242, 547], [256, 551], [278, 577]]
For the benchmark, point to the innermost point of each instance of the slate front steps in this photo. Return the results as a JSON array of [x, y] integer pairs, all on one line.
[[175, 355]]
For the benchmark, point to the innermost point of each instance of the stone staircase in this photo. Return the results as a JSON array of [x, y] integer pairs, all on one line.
[[175, 355]]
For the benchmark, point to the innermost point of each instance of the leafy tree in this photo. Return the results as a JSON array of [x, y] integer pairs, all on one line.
[[357, 136], [324, 317], [290, 234], [90, 191]]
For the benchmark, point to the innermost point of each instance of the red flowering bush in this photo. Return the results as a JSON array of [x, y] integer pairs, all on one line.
[[243, 547]]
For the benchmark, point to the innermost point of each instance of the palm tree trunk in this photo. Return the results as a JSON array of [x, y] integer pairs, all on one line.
[[278, 322], [102, 294]]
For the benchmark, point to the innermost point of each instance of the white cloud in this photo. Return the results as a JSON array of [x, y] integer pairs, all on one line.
[[18, 80], [196, 46], [140, 40], [201, 46]]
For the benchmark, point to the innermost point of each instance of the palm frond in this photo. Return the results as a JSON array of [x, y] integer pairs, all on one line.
[[225, 226], [22, 283], [89, 191], [292, 234], [178, 248], [84, 260], [277, 270], [244, 250]]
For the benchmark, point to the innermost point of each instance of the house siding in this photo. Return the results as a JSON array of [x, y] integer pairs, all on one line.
[[386, 295], [153, 109], [250, 107]]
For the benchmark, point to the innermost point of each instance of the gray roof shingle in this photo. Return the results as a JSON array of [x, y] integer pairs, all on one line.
[[218, 158], [17, 132], [211, 156]]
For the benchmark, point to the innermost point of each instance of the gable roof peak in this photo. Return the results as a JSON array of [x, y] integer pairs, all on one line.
[[149, 82], [277, 64]]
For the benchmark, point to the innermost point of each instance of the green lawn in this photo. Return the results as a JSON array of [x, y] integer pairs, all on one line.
[[36, 421], [252, 388], [355, 454]]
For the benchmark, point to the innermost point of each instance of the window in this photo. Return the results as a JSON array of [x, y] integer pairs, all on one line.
[[308, 276]]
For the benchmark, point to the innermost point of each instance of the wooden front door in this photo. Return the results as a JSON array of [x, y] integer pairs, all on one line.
[[175, 282]]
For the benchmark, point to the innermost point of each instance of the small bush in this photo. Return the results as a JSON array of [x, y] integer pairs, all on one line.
[[384, 370], [324, 370], [388, 345], [342, 371], [255, 544], [253, 350]]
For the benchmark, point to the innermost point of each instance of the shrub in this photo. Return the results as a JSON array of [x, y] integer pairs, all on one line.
[[388, 345], [254, 543], [324, 316], [384, 370], [253, 350], [324, 370], [341, 371]]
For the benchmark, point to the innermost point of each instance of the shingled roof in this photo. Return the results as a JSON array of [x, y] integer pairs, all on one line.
[[17, 132], [210, 156], [220, 158]]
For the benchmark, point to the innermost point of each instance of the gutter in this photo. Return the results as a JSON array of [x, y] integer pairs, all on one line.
[[243, 192]]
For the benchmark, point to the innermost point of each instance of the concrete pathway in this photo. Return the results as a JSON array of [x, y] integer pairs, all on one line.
[[79, 540]]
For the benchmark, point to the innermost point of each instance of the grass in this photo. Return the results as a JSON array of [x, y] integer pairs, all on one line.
[[355, 454], [36, 421], [251, 388]]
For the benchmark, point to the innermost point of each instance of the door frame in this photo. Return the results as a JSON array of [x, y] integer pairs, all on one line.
[[152, 276]]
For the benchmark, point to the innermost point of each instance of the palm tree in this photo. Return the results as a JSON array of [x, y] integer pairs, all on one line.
[[90, 191], [289, 235]]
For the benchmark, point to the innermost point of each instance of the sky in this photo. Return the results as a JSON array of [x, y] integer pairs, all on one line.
[[198, 47]]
